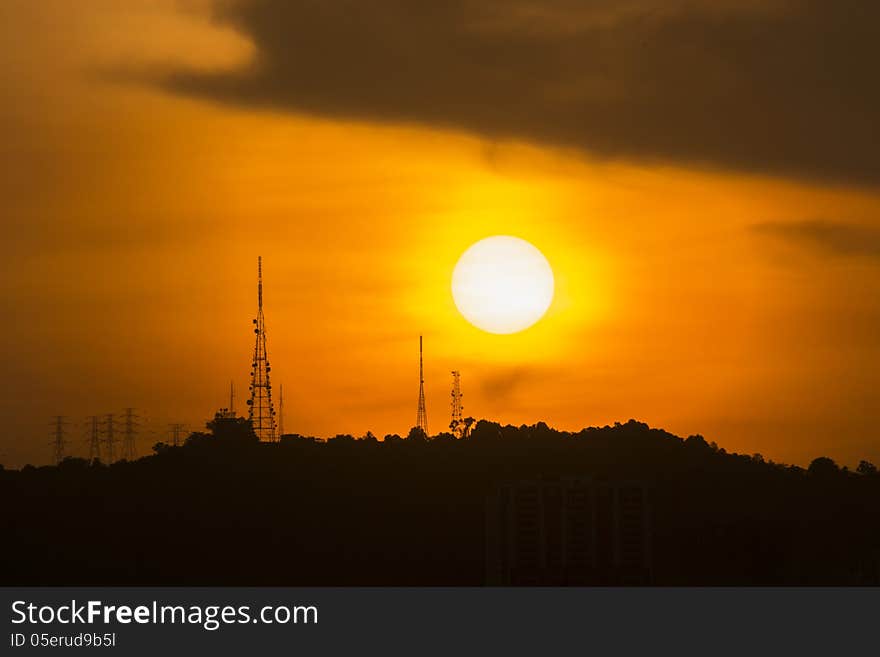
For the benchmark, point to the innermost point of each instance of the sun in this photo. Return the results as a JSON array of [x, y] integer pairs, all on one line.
[[502, 284]]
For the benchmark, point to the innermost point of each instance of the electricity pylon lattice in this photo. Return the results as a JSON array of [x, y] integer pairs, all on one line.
[[129, 451], [457, 423], [261, 413], [109, 435], [58, 442], [422, 415], [94, 438], [176, 431]]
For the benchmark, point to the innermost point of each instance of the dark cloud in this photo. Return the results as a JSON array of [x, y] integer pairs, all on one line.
[[827, 237], [781, 86], [502, 384]]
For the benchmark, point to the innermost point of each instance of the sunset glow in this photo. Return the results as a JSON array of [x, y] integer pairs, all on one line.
[[691, 294], [502, 284]]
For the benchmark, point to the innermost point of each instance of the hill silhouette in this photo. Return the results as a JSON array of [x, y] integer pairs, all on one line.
[[224, 509]]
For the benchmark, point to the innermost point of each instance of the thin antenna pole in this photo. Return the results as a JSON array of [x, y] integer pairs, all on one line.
[[422, 415], [281, 410], [232, 398], [260, 282]]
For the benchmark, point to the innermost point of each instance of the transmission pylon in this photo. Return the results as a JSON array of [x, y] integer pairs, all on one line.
[[109, 436], [280, 410], [422, 415], [129, 450], [261, 413], [457, 424], [94, 437], [176, 431], [58, 441]]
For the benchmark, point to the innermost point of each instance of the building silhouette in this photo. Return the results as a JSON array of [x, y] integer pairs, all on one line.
[[568, 532]]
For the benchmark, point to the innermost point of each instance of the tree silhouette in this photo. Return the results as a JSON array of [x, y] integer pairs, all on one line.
[[823, 467], [866, 468], [240, 512]]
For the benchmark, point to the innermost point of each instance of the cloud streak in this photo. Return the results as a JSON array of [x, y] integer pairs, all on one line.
[[827, 237], [783, 87]]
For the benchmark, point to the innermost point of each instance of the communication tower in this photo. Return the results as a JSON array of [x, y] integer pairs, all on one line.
[[261, 413]]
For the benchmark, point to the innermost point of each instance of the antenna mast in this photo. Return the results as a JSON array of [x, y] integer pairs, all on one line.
[[261, 413], [422, 415], [280, 410], [457, 424]]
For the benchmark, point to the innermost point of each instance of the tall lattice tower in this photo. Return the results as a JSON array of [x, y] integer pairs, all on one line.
[[176, 429], [58, 442], [109, 433], [261, 413], [422, 415], [130, 426], [456, 426], [94, 437]]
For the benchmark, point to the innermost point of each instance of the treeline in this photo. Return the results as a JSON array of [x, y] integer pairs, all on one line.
[[224, 509]]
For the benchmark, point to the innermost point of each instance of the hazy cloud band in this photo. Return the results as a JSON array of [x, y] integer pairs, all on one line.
[[780, 87]]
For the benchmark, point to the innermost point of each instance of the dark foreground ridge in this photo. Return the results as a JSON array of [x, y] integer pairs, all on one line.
[[226, 510]]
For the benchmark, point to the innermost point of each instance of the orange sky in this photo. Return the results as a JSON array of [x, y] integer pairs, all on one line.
[[133, 218]]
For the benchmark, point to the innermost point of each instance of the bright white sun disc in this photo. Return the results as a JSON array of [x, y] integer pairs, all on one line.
[[502, 284]]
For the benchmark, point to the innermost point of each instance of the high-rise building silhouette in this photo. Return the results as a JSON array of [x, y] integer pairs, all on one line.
[[422, 415], [456, 426], [261, 413], [571, 531]]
